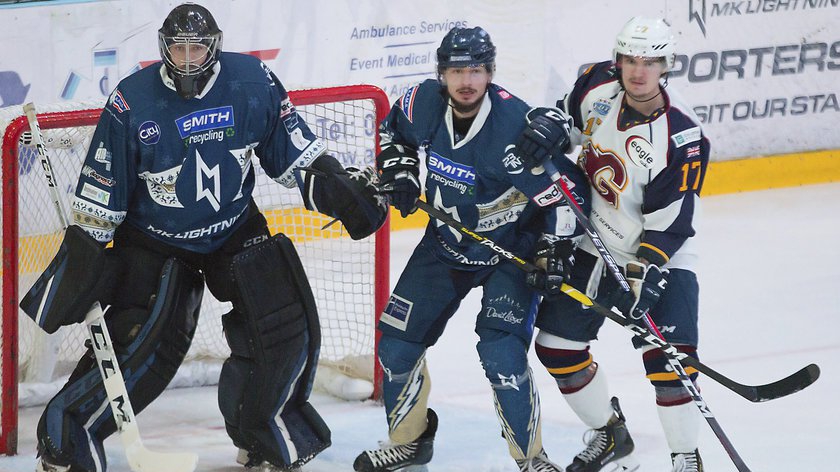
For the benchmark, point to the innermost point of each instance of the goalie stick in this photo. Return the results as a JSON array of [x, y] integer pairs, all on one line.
[[754, 393], [139, 458]]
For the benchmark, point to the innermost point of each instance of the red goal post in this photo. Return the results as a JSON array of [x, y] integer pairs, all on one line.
[[349, 278]]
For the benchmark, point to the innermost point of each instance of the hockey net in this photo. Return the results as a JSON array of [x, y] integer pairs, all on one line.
[[349, 278]]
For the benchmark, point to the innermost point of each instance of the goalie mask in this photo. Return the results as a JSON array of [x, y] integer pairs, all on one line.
[[466, 47], [645, 37], [190, 43]]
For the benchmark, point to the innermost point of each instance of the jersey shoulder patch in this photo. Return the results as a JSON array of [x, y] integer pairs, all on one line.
[[407, 102]]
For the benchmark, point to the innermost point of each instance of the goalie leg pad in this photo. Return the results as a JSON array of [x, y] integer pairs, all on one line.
[[274, 335], [505, 361], [79, 274], [150, 345]]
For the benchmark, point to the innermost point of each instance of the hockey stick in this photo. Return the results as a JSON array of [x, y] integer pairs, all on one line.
[[670, 352], [758, 393], [754, 393], [139, 458]]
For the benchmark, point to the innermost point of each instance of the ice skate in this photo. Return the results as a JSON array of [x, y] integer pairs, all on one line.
[[687, 462], [44, 465], [610, 444], [540, 463], [255, 464], [402, 457]]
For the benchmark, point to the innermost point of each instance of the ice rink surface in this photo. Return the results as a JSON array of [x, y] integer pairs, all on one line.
[[770, 305]]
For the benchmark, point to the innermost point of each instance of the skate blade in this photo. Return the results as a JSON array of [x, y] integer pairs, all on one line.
[[625, 464], [415, 468]]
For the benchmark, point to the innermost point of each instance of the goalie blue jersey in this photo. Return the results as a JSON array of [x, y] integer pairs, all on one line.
[[480, 180], [180, 170]]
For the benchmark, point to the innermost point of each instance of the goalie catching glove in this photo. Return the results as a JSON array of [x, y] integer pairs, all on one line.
[[350, 195], [400, 177], [555, 256], [547, 134], [647, 284]]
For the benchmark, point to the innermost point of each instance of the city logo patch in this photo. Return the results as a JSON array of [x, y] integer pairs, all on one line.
[[443, 166], [149, 133], [639, 151], [397, 312], [203, 120], [118, 102], [686, 137]]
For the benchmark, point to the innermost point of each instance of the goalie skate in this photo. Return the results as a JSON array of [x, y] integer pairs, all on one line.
[[45, 466], [401, 457], [254, 464]]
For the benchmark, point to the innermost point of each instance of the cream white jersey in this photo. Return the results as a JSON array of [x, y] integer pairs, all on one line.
[[646, 171]]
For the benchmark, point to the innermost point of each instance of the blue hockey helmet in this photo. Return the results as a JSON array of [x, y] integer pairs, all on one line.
[[466, 47], [190, 43]]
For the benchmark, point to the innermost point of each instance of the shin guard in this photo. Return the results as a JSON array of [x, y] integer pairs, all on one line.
[[406, 388], [517, 403]]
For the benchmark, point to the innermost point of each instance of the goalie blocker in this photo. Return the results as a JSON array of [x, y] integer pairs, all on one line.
[[81, 273]]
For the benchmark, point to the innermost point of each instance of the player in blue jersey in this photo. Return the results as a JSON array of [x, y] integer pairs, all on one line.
[[645, 155], [466, 127], [169, 180]]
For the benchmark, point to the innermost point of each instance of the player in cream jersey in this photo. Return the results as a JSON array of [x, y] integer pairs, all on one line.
[[645, 156], [647, 171]]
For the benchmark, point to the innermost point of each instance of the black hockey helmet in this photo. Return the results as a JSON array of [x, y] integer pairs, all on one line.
[[189, 25], [466, 47]]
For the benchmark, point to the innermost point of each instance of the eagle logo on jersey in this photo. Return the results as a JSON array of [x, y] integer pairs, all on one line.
[[606, 172], [640, 151]]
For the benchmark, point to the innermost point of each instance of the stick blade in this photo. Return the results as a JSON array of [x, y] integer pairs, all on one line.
[[141, 459], [793, 383]]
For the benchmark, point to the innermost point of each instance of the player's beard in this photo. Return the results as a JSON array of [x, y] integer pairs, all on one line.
[[467, 109]]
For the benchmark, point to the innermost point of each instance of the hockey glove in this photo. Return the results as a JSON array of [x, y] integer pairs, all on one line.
[[647, 283], [556, 257], [350, 195], [547, 135], [399, 178]]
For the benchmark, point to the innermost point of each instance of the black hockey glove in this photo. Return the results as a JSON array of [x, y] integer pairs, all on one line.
[[399, 178], [647, 283], [555, 256], [350, 195], [547, 135]]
